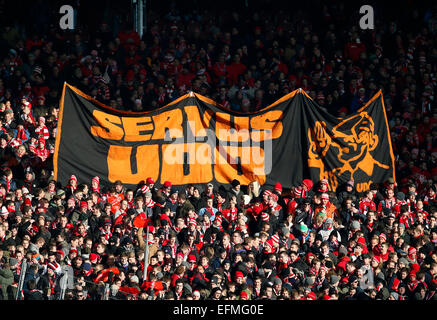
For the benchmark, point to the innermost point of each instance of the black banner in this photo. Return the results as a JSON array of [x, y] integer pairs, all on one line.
[[195, 140]]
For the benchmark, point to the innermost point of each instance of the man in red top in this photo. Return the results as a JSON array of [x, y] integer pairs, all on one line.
[[400, 201], [354, 48], [220, 68], [273, 203], [367, 204], [129, 39], [114, 199], [388, 202], [231, 213], [302, 190], [430, 197], [150, 183], [166, 187], [235, 70], [291, 205], [42, 151], [265, 201]]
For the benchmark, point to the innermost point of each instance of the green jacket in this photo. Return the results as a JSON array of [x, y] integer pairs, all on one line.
[[182, 211], [6, 279]]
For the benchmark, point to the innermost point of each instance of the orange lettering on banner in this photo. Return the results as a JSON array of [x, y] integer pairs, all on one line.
[[364, 186], [241, 124], [267, 121], [108, 128], [224, 132], [134, 126], [119, 163], [171, 120], [251, 162], [198, 168], [222, 125], [200, 123]]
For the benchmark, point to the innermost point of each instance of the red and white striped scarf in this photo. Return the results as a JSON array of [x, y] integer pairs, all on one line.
[[299, 193], [43, 131], [245, 232], [319, 281], [18, 267], [150, 204], [107, 234], [314, 271], [173, 250], [389, 203], [190, 220], [131, 204], [231, 214], [304, 237]]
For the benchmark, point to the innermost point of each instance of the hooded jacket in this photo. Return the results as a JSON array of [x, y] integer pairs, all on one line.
[[6, 279]]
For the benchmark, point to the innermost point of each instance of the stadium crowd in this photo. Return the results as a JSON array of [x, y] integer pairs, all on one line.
[[233, 242]]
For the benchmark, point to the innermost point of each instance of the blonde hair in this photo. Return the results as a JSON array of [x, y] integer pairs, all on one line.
[[256, 187]]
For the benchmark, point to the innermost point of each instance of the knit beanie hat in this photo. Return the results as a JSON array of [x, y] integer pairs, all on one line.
[[303, 227]]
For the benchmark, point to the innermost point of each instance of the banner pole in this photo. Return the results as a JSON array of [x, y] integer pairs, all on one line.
[[106, 294], [63, 285], [146, 256], [21, 281]]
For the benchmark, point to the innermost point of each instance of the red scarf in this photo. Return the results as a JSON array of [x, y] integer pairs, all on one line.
[[369, 226], [72, 188], [52, 283], [228, 248], [21, 136], [211, 210], [412, 285], [407, 221], [220, 205], [8, 184]]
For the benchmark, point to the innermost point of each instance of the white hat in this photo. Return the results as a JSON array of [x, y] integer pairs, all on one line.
[[135, 279], [4, 211]]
